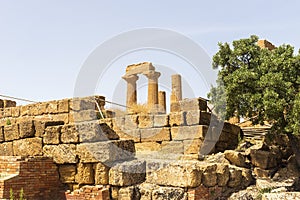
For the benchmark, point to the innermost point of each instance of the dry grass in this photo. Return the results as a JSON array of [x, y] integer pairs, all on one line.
[[140, 109]]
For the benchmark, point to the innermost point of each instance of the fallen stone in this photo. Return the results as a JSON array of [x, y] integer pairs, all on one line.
[[236, 158], [263, 159], [282, 195]]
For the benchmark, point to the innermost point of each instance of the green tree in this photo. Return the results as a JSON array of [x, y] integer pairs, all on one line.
[[259, 84]]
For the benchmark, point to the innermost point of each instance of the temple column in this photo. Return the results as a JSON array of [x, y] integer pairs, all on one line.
[[162, 101], [152, 87], [176, 94], [131, 89]]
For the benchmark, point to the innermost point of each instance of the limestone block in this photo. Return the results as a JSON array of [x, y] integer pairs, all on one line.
[[127, 173], [134, 135], [263, 173], [1, 103], [62, 153], [145, 190], [7, 112], [101, 174], [169, 193], [92, 132], [52, 135], [52, 107], [118, 123], [131, 122], [9, 103], [63, 106], [85, 174], [236, 158], [42, 108], [1, 134], [83, 116], [147, 146], [67, 173], [28, 147], [155, 134], [11, 132], [235, 177], [281, 195], [106, 151], [69, 134], [193, 117], [222, 174], [161, 121], [15, 111], [229, 137], [109, 132], [177, 119], [231, 128], [6, 149], [24, 110], [247, 177], [178, 173], [87, 103], [172, 147], [263, 159], [204, 193], [26, 129], [189, 132], [146, 121], [192, 146], [193, 104], [128, 193], [209, 176]]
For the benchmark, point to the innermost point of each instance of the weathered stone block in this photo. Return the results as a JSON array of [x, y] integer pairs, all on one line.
[[193, 104], [63, 106], [91, 132], [155, 134], [15, 111], [222, 174], [9, 103], [263, 159], [131, 122], [172, 147], [109, 132], [127, 173], [106, 151], [118, 123], [28, 147], [83, 116], [62, 153], [146, 121], [204, 193], [26, 129], [236, 158], [67, 173], [134, 135], [69, 134], [52, 107], [147, 146], [177, 119], [193, 117], [52, 135], [128, 193], [145, 190], [231, 128], [235, 177], [85, 174], [87, 103], [209, 176], [6, 149], [169, 193], [189, 132], [101, 174], [161, 121], [178, 173], [11, 132], [192, 146]]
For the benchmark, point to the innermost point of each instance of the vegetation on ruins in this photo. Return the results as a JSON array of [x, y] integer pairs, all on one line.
[[258, 84]]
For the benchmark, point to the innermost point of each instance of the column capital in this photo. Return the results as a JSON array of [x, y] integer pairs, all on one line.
[[151, 74], [130, 78]]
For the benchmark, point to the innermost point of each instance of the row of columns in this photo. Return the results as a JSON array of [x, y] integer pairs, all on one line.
[[155, 97]]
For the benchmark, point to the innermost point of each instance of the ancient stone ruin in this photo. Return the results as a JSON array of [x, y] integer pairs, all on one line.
[[66, 149]]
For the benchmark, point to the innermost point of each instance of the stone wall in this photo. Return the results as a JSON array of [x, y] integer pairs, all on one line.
[[112, 153]]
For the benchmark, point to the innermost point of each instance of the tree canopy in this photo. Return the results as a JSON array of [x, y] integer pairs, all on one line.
[[258, 83]]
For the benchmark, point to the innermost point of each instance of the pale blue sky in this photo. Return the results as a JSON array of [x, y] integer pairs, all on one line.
[[43, 43]]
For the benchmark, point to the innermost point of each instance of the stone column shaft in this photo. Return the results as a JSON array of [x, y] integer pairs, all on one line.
[[152, 87], [131, 98], [162, 101], [176, 88]]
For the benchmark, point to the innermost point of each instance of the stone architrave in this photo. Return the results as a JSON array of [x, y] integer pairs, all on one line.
[[152, 87], [131, 89]]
